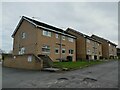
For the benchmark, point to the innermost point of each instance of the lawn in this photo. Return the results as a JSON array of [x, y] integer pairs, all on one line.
[[75, 65]]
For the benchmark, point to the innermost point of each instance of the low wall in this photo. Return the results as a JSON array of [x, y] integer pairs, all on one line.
[[30, 62]]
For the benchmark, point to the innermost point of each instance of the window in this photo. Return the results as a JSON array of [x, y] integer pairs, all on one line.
[[63, 51], [46, 33], [56, 50], [46, 49], [99, 53], [23, 35], [70, 39], [71, 51], [88, 51], [22, 50], [109, 44], [88, 40], [29, 58], [63, 37], [56, 35]]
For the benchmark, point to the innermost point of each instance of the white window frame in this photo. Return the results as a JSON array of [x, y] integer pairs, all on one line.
[[29, 58], [23, 35], [57, 49], [22, 51], [46, 33], [70, 51], [57, 35], [64, 50], [46, 47], [70, 39], [63, 37]]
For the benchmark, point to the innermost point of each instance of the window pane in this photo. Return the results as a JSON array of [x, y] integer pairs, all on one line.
[[23, 35], [22, 50], [63, 37], [49, 34], [57, 36], [46, 33], [70, 39], [63, 51], [71, 51], [46, 49], [56, 50]]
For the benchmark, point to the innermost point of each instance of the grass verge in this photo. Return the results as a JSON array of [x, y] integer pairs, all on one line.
[[75, 65]]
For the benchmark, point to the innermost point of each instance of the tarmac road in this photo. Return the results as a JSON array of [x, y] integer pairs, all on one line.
[[98, 76]]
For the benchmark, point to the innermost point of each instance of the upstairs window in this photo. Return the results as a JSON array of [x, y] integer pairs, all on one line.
[[71, 51], [46, 33], [63, 37], [22, 50], [23, 35], [56, 35], [70, 39], [46, 49], [63, 51]]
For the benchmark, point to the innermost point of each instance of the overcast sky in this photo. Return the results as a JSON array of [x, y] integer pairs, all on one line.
[[100, 18]]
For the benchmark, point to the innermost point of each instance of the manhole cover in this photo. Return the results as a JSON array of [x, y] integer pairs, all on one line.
[[87, 79], [62, 78]]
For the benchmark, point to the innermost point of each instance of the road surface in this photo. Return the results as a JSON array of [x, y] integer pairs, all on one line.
[[98, 76]]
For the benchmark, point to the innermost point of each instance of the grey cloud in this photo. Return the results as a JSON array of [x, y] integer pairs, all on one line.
[[89, 18]]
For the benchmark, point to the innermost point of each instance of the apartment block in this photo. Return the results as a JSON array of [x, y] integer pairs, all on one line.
[[108, 48], [87, 47], [34, 37]]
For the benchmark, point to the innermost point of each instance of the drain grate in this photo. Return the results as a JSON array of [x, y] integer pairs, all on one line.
[[87, 79]]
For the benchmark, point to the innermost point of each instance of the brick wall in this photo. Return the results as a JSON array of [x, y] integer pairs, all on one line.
[[23, 62]]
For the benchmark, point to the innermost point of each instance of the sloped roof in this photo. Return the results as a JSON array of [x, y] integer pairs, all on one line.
[[70, 29], [84, 35], [95, 36], [42, 25]]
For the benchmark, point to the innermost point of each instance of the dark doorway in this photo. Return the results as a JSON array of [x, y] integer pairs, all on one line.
[[87, 57], [69, 58], [95, 57]]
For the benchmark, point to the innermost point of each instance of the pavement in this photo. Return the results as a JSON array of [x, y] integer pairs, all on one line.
[[98, 76]]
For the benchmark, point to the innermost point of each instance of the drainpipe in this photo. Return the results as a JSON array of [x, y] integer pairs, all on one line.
[[19, 43], [60, 48]]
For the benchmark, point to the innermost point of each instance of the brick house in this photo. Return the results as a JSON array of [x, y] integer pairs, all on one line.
[[38, 38], [108, 48], [87, 47]]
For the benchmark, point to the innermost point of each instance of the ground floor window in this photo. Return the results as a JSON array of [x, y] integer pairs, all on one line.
[[22, 50], [29, 58], [63, 51], [46, 49], [56, 50], [71, 51]]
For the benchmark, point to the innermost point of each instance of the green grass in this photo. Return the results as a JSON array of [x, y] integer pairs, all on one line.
[[75, 65]]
